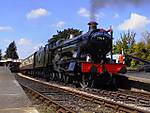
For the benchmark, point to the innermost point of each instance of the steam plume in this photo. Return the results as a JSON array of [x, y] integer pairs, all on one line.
[[97, 4]]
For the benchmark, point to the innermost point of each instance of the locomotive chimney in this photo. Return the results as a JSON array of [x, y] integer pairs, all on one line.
[[92, 25]]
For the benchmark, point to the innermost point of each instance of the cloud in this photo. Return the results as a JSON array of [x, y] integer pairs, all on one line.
[[59, 24], [30, 49], [37, 46], [26, 47], [36, 13], [116, 15], [84, 12], [6, 41], [24, 41], [135, 22], [5, 28]]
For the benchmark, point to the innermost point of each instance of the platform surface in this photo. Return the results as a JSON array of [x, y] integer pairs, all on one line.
[[139, 76], [12, 97]]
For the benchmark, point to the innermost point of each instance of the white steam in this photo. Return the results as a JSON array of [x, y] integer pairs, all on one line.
[[97, 4]]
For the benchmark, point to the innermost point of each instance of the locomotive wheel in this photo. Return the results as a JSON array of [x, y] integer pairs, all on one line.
[[60, 75], [67, 79], [63, 78], [86, 81], [52, 76]]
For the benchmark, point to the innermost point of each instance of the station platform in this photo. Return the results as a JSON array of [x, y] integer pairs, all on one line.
[[139, 76], [12, 97]]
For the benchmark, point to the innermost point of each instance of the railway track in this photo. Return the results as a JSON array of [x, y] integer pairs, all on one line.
[[136, 92], [47, 101], [137, 98], [98, 100], [67, 103]]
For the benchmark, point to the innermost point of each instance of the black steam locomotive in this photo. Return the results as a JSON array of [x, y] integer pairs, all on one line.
[[80, 59]]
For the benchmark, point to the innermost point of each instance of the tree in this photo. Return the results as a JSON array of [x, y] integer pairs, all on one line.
[[0, 54], [146, 41], [138, 52], [140, 49], [114, 49], [65, 34], [11, 51], [126, 42], [146, 37]]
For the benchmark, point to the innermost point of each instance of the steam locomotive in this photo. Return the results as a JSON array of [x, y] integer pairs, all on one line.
[[81, 59]]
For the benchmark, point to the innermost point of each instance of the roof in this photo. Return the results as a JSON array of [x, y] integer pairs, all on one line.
[[10, 60]]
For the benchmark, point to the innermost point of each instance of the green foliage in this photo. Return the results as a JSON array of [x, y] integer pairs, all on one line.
[[11, 51], [133, 63], [114, 49], [146, 37], [126, 42], [138, 49], [143, 45], [0, 54], [65, 34], [138, 52]]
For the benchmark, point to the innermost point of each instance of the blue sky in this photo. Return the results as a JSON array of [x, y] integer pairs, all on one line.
[[30, 23]]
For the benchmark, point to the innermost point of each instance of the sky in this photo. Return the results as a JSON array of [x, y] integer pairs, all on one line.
[[30, 23]]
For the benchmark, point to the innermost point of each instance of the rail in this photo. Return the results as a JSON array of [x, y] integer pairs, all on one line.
[[103, 101]]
